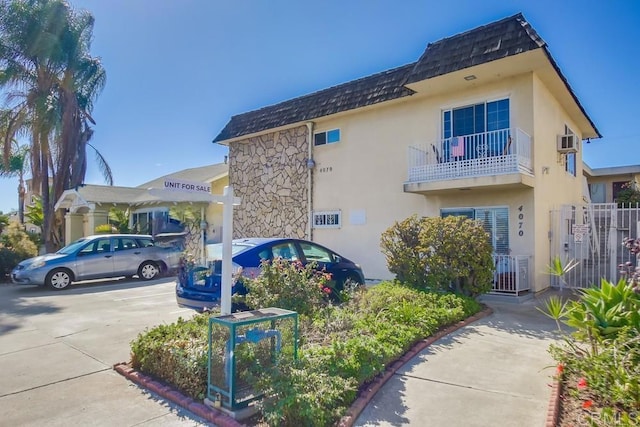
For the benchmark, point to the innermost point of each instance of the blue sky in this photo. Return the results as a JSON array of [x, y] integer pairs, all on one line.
[[177, 70]]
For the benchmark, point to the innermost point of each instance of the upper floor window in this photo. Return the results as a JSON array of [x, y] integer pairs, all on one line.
[[478, 118], [570, 165], [617, 187], [597, 192], [328, 137], [570, 158]]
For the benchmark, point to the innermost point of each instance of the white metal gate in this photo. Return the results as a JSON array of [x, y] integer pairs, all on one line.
[[592, 235]]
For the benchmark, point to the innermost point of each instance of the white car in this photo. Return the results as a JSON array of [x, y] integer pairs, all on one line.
[[97, 257]]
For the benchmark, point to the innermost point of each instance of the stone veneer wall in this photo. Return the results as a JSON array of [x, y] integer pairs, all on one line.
[[269, 173]]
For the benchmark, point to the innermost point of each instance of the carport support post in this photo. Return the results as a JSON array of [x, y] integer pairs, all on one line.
[[227, 237]]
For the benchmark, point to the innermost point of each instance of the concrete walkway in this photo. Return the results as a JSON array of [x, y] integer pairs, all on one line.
[[494, 372]]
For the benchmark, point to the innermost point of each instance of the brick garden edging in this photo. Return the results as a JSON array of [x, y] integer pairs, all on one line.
[[365, 395], [553, 410], [219, 418]]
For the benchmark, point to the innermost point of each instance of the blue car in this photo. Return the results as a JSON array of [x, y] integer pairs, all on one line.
[[202, 290]]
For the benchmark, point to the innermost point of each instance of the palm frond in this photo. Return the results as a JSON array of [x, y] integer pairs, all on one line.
[[104, 167]]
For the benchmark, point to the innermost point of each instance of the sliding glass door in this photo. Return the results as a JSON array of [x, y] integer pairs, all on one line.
[[495, 221]]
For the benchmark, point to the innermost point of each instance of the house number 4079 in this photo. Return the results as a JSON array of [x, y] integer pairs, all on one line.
[[520, 221]]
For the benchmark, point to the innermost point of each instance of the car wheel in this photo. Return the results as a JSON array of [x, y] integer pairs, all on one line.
[[148, 270], [58, 279]]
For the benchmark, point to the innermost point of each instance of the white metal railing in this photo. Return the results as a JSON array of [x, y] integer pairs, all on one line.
[[592, 236], [512, 274], [481, 154]]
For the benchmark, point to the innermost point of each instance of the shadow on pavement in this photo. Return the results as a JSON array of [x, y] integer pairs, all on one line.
[[90, 286], [20, 301]]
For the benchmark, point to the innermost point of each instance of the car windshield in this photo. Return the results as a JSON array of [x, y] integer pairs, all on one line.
[[72, 247], [214, 252]]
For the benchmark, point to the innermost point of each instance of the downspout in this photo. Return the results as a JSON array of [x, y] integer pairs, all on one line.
[[203, 227], [310, 165]]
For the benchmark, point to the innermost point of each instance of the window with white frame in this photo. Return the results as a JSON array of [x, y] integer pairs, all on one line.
[[327, 219], [475, 131], [495, 221], [142, 221], [327, 137], [597, 192], [478, 118], [570, 158]]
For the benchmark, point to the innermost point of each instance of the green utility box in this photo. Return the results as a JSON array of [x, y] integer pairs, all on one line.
[[246, 341]]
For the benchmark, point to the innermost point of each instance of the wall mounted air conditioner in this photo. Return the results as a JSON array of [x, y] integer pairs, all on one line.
[[567, 143]]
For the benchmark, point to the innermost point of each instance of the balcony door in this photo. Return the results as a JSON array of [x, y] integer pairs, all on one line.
[[474, 131]]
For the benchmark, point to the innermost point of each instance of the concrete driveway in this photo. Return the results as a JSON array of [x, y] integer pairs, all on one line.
[[57, 349]]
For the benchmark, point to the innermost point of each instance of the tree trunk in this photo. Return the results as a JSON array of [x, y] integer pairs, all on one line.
[[21, 193], [47, 208]]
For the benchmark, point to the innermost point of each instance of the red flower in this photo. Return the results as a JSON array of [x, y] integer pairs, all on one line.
[[560, 369], [582, 383], [587, 404], [326, 290]]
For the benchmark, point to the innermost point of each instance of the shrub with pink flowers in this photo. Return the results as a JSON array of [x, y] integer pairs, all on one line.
[[290, 285]]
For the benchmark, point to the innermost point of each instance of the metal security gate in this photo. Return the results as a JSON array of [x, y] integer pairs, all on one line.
[[592, 235]]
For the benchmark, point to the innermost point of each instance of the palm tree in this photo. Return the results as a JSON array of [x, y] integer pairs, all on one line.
[[50, 81], [35, 214], [14, 163]]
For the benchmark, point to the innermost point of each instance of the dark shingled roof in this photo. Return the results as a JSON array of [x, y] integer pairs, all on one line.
[[355, 94], [500, 39], [509, 36]]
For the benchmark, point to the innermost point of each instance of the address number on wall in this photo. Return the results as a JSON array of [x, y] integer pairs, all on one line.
[[521, 221]]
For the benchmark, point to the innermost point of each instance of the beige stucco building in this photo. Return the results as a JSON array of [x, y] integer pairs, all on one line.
[[484, 125], [606, 183], [87, 207]]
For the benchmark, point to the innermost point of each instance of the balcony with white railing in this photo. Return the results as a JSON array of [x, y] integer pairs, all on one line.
[[502, 157]]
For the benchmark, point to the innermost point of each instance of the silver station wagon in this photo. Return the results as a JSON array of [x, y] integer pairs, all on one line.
[[97, 257]]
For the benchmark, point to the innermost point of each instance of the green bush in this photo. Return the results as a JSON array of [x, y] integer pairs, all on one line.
[[8, 260], [406, 257], [16, 239], [288, 285], [176, 353], [15, 246], [303, 393], [628, 195], [452, 253], [341, 348]]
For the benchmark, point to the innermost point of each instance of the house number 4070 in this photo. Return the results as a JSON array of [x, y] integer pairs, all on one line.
[[520, 221]]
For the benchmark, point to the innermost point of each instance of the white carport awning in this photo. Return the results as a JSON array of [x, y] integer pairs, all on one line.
[[71, 200], [88, 196]]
